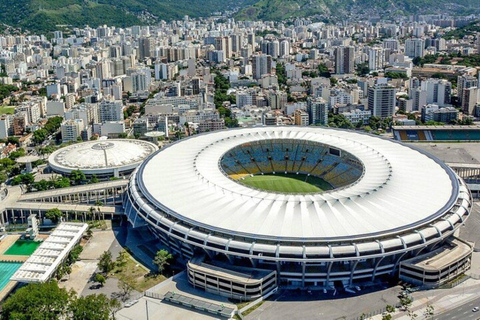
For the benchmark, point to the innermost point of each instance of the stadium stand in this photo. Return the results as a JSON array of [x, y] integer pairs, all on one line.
[[436, 133], [287, 156]]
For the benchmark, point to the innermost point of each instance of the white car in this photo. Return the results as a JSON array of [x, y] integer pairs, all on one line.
[[475, 309], [130, 303]]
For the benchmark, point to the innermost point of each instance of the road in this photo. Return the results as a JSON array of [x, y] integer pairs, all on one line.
[[464, 312]]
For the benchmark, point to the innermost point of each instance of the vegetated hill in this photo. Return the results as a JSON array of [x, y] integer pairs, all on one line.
[[45, 15], [283, 9]]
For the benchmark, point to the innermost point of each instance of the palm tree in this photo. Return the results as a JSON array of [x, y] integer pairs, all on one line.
[[91, 213]]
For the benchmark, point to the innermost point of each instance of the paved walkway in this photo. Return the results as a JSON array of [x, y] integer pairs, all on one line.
[[7, 242], [85, 267], [160, 310], [157, 309], [74, 189]]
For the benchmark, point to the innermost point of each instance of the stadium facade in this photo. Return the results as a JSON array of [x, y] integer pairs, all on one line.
[[390, 203]]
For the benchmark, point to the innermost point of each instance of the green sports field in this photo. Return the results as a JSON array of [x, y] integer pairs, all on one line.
[[287, 183]]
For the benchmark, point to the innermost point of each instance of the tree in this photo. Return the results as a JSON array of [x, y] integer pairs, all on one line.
[[89, 233], [17, 154], [122, 258], [91, 307], [37, 301], [74, 255], [323, 71], [429, 312], [94, 179], [362, 69], [40, 135], [100, 279], [53, 214], [106, 264], [390, 308], [26, 179], [61, 182], [77, 176], [406, 302], [125, 289], [162, 260], [387, 317], [41, 185], [114, 306]]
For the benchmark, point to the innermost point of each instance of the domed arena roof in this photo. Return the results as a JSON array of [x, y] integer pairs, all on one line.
[[101, 156], [396, 188]]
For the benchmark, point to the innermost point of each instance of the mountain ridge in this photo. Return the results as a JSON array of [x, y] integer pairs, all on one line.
[[46, 15]]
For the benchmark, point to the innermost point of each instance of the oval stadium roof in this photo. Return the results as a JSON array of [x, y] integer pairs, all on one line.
[[401, 188]]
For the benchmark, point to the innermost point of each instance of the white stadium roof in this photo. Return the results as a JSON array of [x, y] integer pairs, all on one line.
[[101, 156], [401, 188]]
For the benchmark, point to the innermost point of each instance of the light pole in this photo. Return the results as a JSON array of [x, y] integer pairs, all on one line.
[[146, 307]]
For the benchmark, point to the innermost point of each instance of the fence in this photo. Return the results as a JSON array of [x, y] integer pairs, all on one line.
[[255, 302]]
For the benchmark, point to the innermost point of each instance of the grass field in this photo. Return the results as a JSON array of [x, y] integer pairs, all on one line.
[[287, 183], [7, 110]]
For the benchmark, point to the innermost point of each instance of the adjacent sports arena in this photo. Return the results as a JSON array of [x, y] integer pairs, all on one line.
[[103, 158], [250, 209]]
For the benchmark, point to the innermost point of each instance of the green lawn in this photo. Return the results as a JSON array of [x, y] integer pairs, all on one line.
[[7, 110], [287, 183]]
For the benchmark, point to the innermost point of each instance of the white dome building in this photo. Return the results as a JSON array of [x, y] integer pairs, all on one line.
[[103, 158]]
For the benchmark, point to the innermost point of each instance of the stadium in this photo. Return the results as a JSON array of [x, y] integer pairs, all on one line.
[[250, 209]]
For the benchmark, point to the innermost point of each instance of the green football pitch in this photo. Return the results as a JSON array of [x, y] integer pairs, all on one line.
[[287, 183]]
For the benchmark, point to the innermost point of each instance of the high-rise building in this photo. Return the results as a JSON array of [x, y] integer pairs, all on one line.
[[237, 43], [464, 82], [277, 100], [419, 99], [224, 44], [344, 60], [251, 40], [72, 130], [284, 48], [414, 48], [438, 91], [300, 117], [262, 64], [391, 44], [317, 111], [5, 123], [376, 59], [161, 71], [381, 100], [144, 48], [88, 112], [69, 100], [19, 124], [110, 111], [31, 109], [470, 99]]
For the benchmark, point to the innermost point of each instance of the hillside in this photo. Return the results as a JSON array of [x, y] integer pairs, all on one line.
[[45, 15], [283, 9]]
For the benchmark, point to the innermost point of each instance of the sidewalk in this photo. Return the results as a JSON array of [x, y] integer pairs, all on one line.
[[443, 300]]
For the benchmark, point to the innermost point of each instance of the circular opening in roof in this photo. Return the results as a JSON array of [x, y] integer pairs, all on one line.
[[103, 146], [291, 166]]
